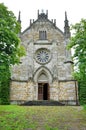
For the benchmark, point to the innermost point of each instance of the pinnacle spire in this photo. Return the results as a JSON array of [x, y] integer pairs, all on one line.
[[19, 20], [66, 20], [19, 17], [66, 27], [65, 15]]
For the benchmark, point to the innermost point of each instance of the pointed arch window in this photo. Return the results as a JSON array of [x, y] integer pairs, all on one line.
[[42, 35]]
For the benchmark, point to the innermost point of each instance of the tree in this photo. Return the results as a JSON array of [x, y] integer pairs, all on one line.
[[10, 49], [78, 42]]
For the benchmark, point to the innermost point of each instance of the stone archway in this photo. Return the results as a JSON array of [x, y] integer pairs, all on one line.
[[44, 74], [43, 78]]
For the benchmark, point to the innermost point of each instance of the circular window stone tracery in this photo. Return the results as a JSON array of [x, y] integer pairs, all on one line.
[[42, 55]]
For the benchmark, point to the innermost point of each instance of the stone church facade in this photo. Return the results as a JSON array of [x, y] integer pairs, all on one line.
[[45, 72]]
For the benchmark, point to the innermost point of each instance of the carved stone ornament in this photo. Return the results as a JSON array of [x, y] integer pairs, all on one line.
[[42, 56]]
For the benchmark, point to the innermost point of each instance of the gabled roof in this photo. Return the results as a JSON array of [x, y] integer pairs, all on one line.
[[43, 17]]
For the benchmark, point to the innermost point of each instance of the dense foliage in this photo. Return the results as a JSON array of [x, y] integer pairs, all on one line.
[[10, 49], [78, 42], [82, 92], [4, 84]]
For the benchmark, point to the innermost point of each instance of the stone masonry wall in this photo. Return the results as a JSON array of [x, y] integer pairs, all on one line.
[[67, 90], [59, 91], [21, 91], [63, 90]]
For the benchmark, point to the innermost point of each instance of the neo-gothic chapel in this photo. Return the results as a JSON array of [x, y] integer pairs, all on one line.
[[45, 72]]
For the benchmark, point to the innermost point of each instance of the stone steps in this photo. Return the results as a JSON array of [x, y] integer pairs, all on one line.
[[42, 103]]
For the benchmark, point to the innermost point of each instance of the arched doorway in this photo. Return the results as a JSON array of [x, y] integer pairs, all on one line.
[[43, 86], [43, 78], [43, 91]]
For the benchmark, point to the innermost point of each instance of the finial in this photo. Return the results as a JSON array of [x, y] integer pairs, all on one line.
[[42, 11], [54, 21], [47, 13], [66, 27], [19, 17], [38, 13], [65, 15], [30, 21]]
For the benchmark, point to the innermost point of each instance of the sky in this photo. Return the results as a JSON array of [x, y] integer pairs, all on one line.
[[76, 9]]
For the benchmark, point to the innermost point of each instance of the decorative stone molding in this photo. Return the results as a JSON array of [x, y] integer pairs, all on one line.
[[41, 70], [42, 56]]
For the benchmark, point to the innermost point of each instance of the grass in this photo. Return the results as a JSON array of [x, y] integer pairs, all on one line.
[[84, 107], [13, 117]]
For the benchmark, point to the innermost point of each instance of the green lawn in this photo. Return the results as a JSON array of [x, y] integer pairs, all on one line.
[[15, 117]]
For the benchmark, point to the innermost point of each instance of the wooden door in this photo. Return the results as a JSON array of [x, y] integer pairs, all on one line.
[[40, 91], [43, 91]]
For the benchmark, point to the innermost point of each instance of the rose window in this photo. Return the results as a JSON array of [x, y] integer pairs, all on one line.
[[42, 56]]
